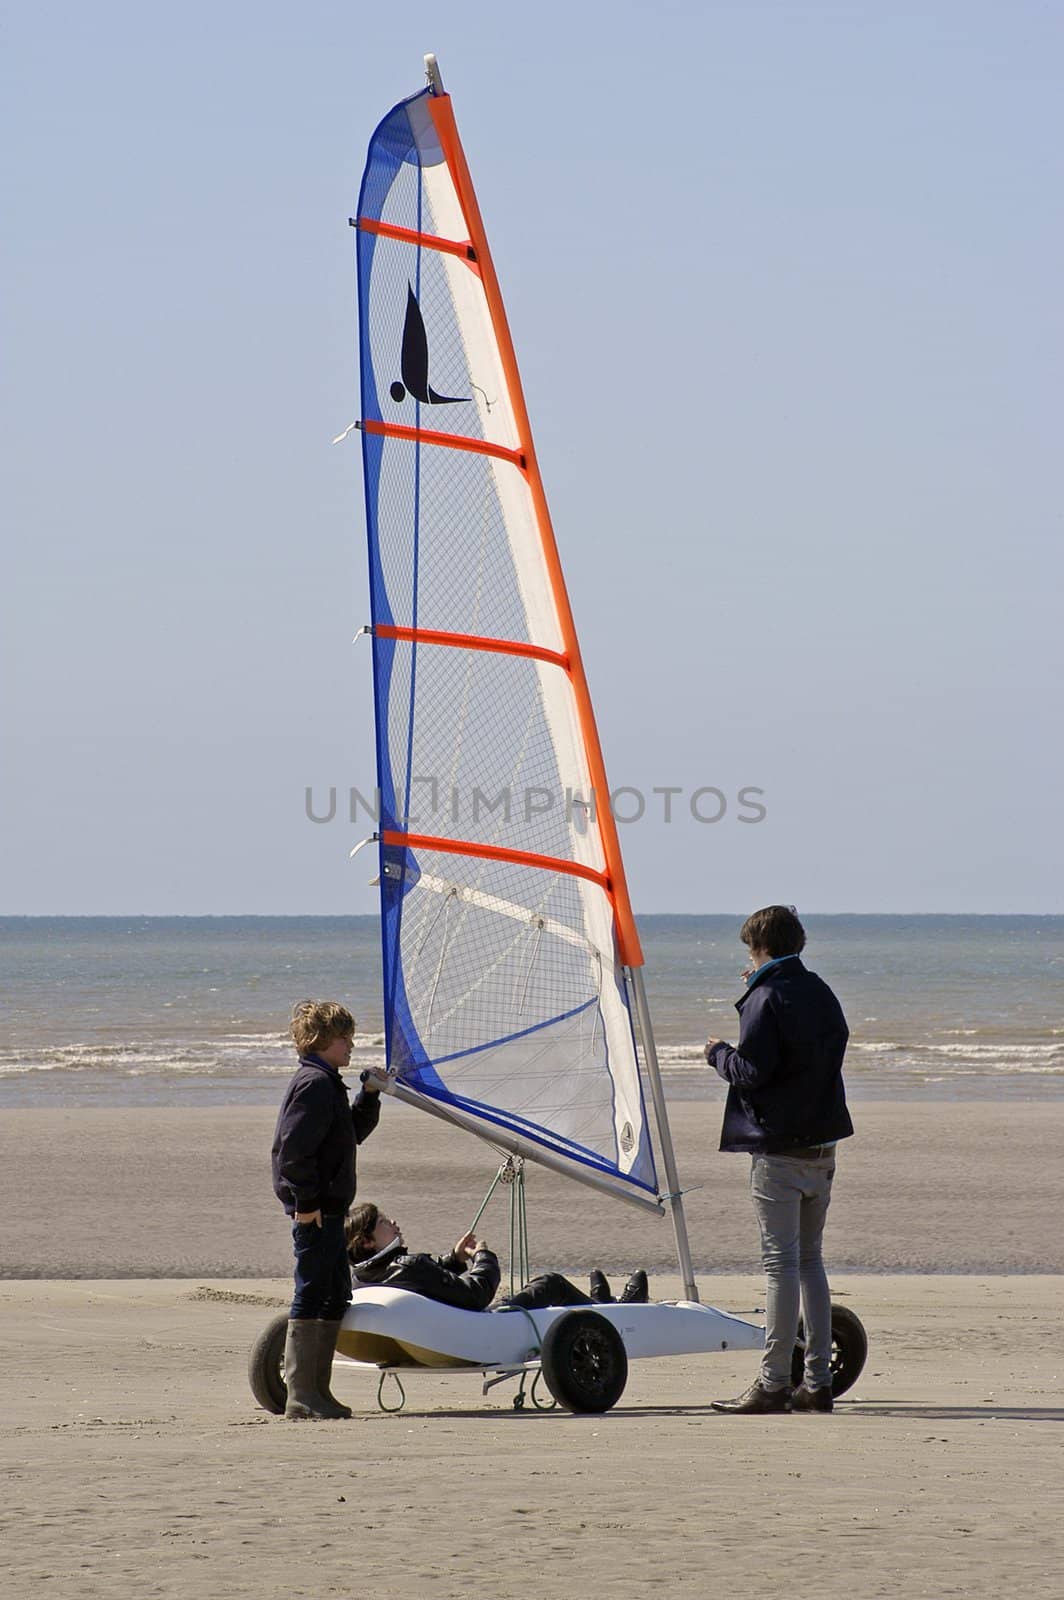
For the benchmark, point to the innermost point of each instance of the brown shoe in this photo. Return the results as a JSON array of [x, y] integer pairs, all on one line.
[[757, 1401], [806, 1399]]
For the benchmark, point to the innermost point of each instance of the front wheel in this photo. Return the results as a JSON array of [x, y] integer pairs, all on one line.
[[584, 1362], [849, 1350], [266, 1366]]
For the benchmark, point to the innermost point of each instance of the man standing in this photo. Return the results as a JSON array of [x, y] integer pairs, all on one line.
[[787, 1106], [314, 1179]]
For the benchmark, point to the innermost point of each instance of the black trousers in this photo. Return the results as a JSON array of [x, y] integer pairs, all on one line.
[[323, 1273], [549, 1289]]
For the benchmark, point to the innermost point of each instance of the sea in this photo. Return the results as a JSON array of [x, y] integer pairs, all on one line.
[[133, 1011]]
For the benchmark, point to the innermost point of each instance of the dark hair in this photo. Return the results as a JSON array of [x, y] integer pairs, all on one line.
[[360, 1225], [774, 929]]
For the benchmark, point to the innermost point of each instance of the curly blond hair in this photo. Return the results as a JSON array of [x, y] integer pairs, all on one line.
[[316, 1023]]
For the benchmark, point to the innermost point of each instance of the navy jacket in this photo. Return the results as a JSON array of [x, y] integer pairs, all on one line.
[[443, 1278], [314, 1144], [785, 1075]]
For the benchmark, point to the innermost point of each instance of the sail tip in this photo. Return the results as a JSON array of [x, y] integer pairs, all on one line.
[[432, 73]]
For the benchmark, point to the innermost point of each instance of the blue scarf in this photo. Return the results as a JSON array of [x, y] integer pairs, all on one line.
[[775, 962]]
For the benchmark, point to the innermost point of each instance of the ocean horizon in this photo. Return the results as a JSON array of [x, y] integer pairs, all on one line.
[[193, 1009]]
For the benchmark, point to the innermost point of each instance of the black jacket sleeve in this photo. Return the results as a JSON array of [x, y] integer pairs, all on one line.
[[365, 1114], [758, 1057], [474, 1288]]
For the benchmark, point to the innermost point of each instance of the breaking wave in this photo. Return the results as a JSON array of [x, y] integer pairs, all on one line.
[[235, 1055]]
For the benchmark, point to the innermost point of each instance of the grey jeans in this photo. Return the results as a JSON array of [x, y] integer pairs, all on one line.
[[791, 1197]]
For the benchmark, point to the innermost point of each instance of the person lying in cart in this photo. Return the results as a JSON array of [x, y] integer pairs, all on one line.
[[468, 1278]]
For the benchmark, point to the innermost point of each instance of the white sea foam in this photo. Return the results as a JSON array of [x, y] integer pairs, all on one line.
[[232, 1055], [999, 1052], [921, 1060], [682, 1057], [270, 1055]]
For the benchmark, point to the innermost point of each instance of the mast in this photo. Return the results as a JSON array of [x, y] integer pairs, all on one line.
[[661, 1117]]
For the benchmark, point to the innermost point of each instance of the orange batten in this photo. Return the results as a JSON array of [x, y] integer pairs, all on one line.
[[463, 248], [450, 441], [495, 852], [471, 641], [442, 114]]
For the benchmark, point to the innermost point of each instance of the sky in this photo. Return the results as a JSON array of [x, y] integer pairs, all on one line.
[[784, 281]]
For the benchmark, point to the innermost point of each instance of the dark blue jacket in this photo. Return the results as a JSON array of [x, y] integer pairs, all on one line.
[[785, 1076], [314, 1144]]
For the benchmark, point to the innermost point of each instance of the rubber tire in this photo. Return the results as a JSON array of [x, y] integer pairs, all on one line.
[[849, 1350], [584, 1362], [266, 1366]]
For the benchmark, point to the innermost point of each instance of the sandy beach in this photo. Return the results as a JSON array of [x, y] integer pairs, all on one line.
[[139, 1465], [174, 1192]]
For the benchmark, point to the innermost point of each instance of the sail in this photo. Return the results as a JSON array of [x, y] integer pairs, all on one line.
[[506, 924]]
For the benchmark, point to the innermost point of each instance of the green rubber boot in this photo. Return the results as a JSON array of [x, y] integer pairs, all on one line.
[[305, 1404], [328, 1333]]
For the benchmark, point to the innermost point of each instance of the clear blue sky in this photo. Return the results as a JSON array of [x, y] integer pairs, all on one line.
[[785, 285]]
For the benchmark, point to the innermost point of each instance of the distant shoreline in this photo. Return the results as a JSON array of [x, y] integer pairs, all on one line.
[[373, 916]]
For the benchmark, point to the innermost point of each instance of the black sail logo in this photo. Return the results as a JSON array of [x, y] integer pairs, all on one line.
[[414, 362]]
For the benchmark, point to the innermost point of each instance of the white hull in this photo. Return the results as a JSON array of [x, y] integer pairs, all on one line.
[[393, 1327]]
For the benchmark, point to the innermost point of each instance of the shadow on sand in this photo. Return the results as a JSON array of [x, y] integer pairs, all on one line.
[[843, 1408]]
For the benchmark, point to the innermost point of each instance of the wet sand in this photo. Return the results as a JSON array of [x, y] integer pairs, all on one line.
[[167, 1192]]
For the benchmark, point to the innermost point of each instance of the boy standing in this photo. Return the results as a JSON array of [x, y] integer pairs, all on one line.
[[314, 1179]]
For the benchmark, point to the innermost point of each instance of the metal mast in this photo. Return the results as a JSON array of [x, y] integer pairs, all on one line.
[[661, 1117]]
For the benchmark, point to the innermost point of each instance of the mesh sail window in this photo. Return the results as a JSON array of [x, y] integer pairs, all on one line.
[[505, 915]]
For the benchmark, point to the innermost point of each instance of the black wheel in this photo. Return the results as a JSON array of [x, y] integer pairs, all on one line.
[[584, 1362], [849, 1350], [266, 1366]]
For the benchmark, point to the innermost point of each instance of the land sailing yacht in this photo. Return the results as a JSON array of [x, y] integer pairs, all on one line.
[[513, 991]]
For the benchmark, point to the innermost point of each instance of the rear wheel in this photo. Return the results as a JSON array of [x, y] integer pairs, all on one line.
[[266, 1366], [849, 1350], [584, 1362]]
